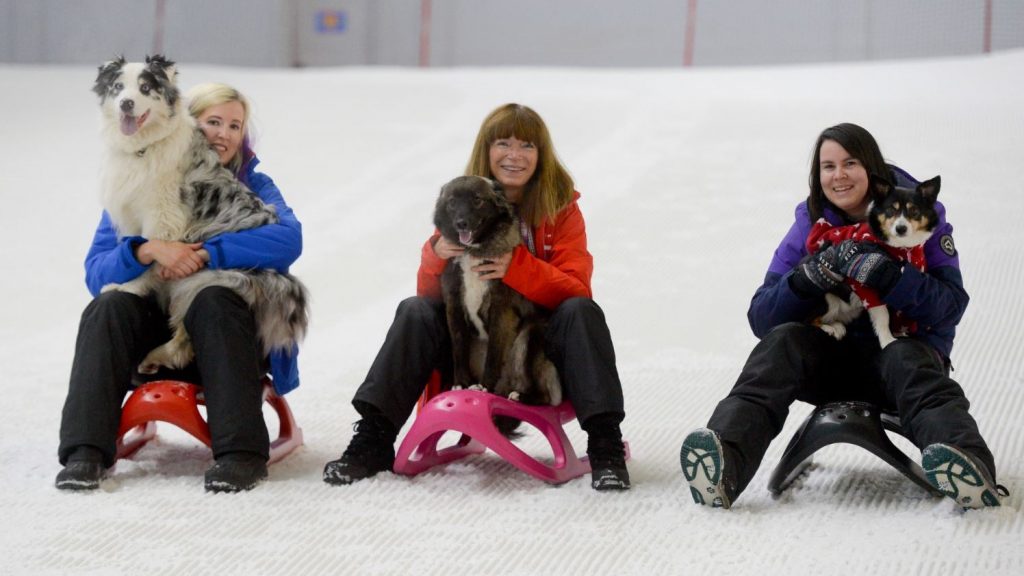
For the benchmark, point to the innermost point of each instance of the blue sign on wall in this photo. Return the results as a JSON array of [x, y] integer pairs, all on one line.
[[331, 21]]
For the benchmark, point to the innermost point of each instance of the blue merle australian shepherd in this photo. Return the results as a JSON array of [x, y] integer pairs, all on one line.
[[162, 181]]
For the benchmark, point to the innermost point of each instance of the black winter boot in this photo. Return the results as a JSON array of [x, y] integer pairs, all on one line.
[[83, 471], [606, 452], [370, 451], [236, 472]]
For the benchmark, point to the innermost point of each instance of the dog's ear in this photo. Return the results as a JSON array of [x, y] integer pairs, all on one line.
[[162, 67], [501, 199], [107, 72], [114, 64], [500, 192], [929, 189], [880, 187], [165, 73], [439, 210]]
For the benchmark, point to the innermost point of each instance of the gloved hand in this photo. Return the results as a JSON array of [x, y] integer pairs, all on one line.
[[817, 273], [869, 264]]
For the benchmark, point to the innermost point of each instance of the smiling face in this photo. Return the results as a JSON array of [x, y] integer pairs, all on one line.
[[138, 99], [513, 162], [224, 127], [844, 180]]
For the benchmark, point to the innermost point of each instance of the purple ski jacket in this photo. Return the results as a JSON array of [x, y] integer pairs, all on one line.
[[935, 299]]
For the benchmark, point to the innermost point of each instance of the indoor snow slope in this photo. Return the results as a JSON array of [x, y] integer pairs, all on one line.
[[688, 180]]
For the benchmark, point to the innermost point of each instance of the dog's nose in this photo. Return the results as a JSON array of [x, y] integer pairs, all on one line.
[[461, 224], [901, 229], [127, 105]]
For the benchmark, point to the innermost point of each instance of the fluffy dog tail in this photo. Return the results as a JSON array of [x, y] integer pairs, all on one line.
[[279, 302], [508, 426], [281, 310]]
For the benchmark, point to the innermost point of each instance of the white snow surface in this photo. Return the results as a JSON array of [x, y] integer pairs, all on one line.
[[688, 180]]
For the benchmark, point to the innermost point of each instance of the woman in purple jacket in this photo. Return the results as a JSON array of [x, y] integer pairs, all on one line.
[[118, 329], [798, 361]]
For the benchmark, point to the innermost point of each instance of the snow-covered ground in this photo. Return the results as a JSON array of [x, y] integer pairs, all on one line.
[[673, 166]]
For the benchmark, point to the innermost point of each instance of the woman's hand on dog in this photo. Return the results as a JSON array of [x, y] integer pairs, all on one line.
[[490, 269], [445, 249], [174, 260], [494, 268]]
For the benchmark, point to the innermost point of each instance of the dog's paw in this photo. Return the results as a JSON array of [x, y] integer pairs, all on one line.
[[148, 367], [837, 331], [173, 355], [514, 396], [884, 341], [456, 387], [137, 288], [478, 388], [155, 360]]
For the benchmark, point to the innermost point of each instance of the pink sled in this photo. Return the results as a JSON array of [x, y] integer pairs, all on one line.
[[472, 414]]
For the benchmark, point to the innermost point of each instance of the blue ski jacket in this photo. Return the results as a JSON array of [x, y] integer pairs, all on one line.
[[935, 299], [111, 258]]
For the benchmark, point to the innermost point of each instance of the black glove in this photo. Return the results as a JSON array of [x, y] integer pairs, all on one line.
[[869, 264], [817, 273]]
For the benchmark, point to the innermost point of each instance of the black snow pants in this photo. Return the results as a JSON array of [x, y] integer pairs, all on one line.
[[797, 361], [116, 332], [577, 341]]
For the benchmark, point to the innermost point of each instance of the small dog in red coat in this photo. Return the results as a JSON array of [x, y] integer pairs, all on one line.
[[900, 220]]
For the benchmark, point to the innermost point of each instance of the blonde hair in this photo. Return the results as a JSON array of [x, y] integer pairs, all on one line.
[[205, 96], [551, 187]]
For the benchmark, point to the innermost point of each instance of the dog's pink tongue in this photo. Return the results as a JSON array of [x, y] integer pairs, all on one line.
[[465, 237], [129, 125]]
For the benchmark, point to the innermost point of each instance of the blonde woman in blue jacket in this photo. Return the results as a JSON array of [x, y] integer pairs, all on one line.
[[118, 329]]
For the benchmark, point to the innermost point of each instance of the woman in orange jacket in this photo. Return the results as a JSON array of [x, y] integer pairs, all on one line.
[[552, 268]]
